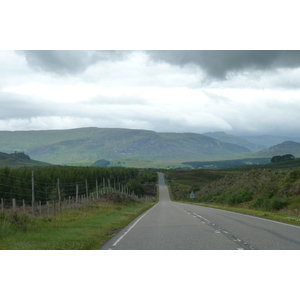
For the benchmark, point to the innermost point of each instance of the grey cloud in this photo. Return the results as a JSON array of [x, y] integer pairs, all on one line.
[[64, 62], [16, 106], [219, 64]]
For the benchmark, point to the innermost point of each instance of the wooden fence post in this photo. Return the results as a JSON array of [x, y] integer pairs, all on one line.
[[76, 194], [2, 204], [54, 207], [86, 188], [14, 204], [59, 197], [32, 191], [97, 193], [24, 206]]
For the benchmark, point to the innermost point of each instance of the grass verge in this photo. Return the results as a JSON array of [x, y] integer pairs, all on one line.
[[265, 193], [85, 229]]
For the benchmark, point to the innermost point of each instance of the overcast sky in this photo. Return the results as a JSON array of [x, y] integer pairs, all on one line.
[[239, 92]]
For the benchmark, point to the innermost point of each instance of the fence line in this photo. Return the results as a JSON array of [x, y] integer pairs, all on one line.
[[54, 201]]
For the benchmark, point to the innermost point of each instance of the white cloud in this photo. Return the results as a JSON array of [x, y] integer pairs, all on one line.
[[135, 92]]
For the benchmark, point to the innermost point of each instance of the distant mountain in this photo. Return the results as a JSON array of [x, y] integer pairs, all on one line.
[[228, 138], [100, 163], [288, 147], [267, 141], [18, 159], [92, 144]]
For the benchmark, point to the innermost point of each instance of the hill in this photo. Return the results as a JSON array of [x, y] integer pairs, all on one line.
[[267, 141], [92, 144], [228, 138], [18, 159], [287, 147], [260, 188]]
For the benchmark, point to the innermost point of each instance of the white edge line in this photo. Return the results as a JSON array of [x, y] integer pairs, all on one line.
[[265, 219], [121, 237], [261, 218]]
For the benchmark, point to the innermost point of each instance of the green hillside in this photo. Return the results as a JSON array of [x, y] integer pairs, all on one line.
[[287, 147], [272, 187], [17, 160], [92, 144], [26, 141], [228, 138]]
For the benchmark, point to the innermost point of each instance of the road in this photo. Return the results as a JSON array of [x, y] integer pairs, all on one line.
[[178, 226]]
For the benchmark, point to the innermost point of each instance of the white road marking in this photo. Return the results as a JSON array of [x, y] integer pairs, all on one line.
[[261, 218], [120, 238]]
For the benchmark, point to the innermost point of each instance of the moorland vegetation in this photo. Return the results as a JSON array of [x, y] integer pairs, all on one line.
[[260, 188]]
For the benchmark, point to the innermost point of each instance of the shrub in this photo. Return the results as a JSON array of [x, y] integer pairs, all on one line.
[[19, 220], [263, 202], [223, 198], [240, 197], [277, 203], [135, 186], [294, 175]]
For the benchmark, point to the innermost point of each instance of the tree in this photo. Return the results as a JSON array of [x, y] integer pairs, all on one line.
[[285, 157]]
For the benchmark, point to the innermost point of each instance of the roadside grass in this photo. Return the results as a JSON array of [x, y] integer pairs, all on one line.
[[266, 193], [85, 229]]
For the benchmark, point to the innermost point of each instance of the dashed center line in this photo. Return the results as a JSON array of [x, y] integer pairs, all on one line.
[[243, 245]]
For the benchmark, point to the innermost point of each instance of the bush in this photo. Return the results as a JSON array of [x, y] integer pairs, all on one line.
[[135, 186], [277, 203], [294, 175], [240, 197], [19, 220], [263, 202], [223, 198]]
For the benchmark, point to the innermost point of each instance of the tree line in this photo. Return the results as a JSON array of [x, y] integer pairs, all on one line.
[[17, 183], [278, 158]]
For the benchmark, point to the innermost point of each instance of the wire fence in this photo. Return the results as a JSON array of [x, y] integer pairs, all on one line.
[[41, 198]]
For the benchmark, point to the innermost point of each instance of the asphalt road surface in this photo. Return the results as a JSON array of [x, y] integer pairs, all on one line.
[[177, 226]]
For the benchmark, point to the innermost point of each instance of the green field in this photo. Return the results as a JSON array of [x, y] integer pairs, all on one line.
[[82, 229], [74, 223]]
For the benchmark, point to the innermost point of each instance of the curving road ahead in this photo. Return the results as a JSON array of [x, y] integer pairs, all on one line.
[[179, 226]]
